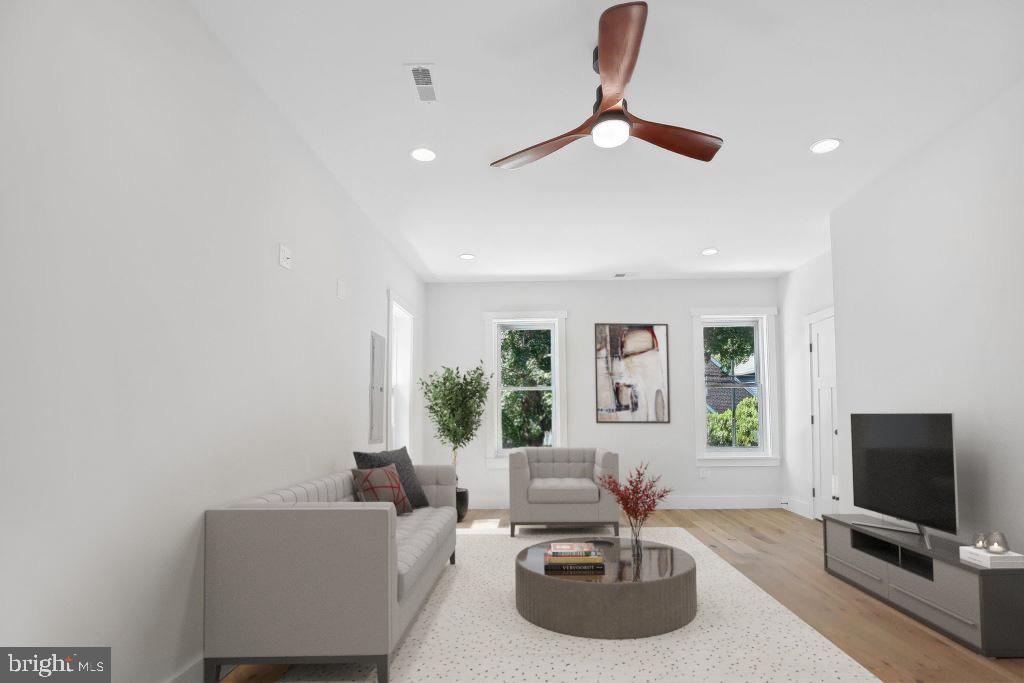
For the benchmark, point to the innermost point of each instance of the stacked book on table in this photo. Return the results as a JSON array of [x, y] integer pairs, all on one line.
[[983, 558], [580, 561]]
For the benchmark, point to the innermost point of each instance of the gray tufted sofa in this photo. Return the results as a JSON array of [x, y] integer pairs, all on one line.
[[307, 574], [559, 486]]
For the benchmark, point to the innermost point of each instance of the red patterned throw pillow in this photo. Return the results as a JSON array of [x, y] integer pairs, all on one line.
[[382, 485]]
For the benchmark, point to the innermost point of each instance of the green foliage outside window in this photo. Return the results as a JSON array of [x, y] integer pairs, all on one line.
[[526, 416], [720, 425], [730, 346]]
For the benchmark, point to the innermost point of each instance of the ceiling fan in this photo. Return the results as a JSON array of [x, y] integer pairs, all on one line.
[[619, 33]]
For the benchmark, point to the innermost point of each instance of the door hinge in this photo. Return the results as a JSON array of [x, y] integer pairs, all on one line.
[[810, 347], [812, 419], [814, 493]]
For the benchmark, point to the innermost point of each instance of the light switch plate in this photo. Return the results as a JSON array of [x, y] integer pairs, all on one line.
[[702, 472], [341, 289], [284, 256]]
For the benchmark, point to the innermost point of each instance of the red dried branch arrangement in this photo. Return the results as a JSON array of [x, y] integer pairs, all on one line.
[[638, 496]]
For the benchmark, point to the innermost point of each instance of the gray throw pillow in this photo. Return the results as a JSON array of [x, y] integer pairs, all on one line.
[[406, 472]]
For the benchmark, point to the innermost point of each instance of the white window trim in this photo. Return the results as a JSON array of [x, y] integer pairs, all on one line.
[[767, 454], [496, 457]]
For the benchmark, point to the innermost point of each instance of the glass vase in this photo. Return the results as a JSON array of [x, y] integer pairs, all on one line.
[[997, 543]]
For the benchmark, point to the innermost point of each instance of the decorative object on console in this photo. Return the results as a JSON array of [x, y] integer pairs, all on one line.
[[406, 471], [996, 543], [455, 403], [382, 485], [631, 365], [638, 498], [981, 541], [984, 558]]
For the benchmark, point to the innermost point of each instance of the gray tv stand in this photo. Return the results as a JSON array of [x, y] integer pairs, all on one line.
[[977, 607]]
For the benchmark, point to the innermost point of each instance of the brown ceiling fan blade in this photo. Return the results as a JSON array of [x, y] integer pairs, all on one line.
[[691, 143], [619, 33], [542, 149]]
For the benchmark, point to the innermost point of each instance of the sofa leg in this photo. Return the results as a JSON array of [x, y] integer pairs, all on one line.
[[211, 671], [512, 529], [382, 669], [616, 528], [452, 558]]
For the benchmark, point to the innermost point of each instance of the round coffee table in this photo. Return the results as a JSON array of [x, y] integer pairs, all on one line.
[[658, 596]]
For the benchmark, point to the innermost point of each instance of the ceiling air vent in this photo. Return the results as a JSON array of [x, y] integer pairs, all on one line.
[[619, 275], [424, 84]]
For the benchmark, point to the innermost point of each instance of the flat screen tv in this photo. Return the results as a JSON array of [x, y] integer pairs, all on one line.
[[903, 466]]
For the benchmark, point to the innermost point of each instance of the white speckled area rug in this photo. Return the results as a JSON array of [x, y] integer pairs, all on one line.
[[469, 630]]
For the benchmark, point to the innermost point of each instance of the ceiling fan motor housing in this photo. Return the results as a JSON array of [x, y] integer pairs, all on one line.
[[600, 96]]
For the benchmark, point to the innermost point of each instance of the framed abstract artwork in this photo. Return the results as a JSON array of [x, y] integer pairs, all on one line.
[[631, 370]]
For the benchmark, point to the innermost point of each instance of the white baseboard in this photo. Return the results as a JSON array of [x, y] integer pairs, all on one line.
[[720, 502], [801, 507], [193, 673]]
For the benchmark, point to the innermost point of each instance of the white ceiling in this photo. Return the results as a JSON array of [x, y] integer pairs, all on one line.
[[768, 77]]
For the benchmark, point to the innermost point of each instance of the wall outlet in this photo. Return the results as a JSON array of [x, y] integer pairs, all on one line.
[[341, 289], [284, 256], [703, 472]]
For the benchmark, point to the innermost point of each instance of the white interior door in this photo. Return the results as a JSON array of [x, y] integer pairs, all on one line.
[[824, 418]]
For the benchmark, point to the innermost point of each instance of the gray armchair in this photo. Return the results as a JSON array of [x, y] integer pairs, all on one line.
[[558, 486]]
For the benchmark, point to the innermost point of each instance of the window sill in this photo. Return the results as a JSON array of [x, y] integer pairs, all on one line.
[[725, 460]]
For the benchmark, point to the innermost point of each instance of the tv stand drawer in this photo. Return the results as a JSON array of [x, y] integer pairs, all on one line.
[[952, 589], [960, 625], [864, 578]]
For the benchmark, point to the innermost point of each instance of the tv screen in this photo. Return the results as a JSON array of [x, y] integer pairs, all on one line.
[[903, 466]]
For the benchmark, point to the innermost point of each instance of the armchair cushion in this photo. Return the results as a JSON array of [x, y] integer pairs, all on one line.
[[406, 472], [562, 490]]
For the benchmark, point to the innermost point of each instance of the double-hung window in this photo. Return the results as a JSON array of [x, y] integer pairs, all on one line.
[[735, 414], [527, 383]]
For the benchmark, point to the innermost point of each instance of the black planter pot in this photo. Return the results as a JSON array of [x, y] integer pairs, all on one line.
[[461, 503]]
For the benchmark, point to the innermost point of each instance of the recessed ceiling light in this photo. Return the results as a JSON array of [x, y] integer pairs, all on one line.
[[710, 251], [423, 154], [825, 146], [467, 257]]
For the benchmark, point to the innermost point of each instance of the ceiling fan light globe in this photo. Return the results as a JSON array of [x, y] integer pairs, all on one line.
[[610, 132]]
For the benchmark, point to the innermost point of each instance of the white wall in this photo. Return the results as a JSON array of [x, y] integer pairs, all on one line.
[[455, 336], [928, 287], [804, 291], [157, 360]]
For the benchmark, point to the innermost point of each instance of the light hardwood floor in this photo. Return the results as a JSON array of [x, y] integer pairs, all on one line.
[[781, 552]]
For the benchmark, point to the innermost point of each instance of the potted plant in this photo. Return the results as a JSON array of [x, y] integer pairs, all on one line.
[[638, 497], [455, 402]]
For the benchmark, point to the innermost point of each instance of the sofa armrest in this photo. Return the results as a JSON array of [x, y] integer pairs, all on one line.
[[300, 580], [606, 463], [518, 482], [438, 482]]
